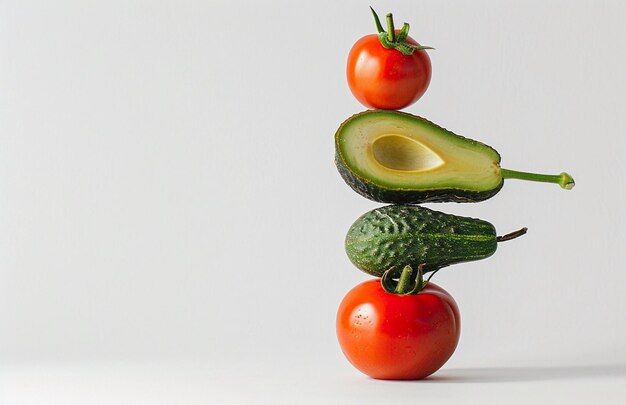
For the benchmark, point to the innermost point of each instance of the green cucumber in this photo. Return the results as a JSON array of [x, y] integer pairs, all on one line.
[[401, 235], [396, 157]]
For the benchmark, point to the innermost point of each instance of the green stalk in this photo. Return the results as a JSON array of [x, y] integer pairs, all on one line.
[[390, 40], [564, 180], [379, 26], [404, 282], [391, 31], [407, 284]]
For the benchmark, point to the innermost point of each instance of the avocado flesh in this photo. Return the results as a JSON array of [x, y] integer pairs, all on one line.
[[395, 157]]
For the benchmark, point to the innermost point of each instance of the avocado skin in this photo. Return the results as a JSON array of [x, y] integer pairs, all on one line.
[[400, 235], [402, 196]]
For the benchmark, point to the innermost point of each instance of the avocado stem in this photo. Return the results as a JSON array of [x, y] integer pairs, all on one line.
[[564, 180], [391, 31], [511, 235]]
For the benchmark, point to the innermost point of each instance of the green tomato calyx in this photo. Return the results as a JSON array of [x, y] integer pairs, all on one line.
[[389, 39], [407, 282]]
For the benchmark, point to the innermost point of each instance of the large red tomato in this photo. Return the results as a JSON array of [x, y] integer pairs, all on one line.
[[400, 337], [385, 78]]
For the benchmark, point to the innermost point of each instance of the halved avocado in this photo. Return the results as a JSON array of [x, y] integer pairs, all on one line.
[[396, 157]]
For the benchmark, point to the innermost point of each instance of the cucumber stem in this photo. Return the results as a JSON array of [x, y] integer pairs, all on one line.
[[511, 235], [564, 180]]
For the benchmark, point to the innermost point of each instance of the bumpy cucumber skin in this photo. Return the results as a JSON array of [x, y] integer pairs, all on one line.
[[368, 189], [397, 235]]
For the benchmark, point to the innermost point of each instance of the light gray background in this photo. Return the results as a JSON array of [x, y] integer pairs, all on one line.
[[172, 224]]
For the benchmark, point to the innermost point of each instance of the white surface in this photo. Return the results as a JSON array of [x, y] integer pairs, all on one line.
[[276, 383], [167, 194]]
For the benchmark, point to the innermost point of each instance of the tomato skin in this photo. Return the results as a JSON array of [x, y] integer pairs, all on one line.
[[398, 337], [383, 78]]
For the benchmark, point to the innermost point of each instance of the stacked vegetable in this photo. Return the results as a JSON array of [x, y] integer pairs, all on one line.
[[400, 325]]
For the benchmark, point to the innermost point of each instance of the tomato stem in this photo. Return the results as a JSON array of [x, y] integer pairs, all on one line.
[[564, 180], [391, 31], [390, 40], [407, 284], [431, 276], [405, 280]]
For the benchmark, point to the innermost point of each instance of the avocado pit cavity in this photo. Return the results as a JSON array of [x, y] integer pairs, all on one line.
[[399, 152]]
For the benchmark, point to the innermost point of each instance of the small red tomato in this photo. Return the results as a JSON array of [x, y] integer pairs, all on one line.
[[398, 337], [385, 78], [392, 77]]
